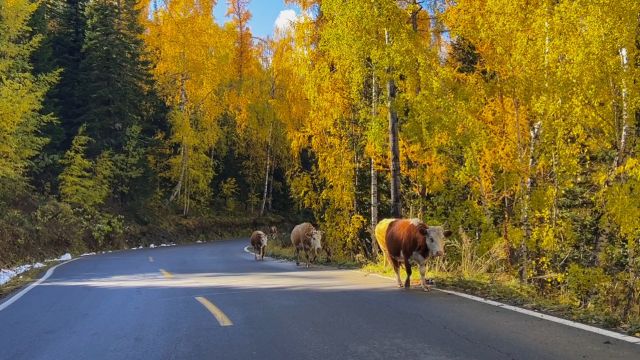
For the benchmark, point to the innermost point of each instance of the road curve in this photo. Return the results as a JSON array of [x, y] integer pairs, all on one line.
[[171, 303]]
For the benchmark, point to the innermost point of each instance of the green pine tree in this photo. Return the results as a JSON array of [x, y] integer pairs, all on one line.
[[84, 182], [21, 95], [61, 23], [119, 105]]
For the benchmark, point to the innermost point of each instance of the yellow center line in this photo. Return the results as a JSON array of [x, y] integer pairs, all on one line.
[[166, 274], [150, 258], [223, 320]]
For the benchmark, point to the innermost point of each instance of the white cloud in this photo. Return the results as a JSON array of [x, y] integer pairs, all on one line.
[[285, 19]]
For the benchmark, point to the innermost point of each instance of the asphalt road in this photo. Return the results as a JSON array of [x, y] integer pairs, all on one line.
[[162, 304]]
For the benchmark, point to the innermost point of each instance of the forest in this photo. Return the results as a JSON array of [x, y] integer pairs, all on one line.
[[515, 123]]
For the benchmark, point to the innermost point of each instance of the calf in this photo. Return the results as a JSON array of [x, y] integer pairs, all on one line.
[[411, 239], [273, 232], [259, 243], [305, 237]]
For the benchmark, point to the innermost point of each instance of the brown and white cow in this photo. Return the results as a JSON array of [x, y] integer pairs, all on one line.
[[305, 237], [412, 240], [259, 244]]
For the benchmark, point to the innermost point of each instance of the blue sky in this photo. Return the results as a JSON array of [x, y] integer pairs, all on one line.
[[263, 15]]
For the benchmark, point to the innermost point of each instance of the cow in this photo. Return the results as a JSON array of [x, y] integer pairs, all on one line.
[[273, 232], [259, 243], [412, 240], [380, 234], [305, 237]]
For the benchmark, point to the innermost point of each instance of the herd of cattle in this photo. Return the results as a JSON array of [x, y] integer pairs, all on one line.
[[402, 241]]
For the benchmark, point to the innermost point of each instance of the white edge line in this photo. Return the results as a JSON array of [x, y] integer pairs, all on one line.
[[574, 324], [17, 296]]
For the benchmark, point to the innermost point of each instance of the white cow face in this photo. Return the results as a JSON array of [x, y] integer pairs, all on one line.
[[435, 237], [316, 237]]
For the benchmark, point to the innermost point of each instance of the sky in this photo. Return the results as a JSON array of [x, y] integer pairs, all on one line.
[[265, 14]]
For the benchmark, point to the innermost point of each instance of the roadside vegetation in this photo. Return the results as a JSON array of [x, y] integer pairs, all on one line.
[[514, 123]]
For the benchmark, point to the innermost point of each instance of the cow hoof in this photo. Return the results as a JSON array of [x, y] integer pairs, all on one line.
[[426, 288]]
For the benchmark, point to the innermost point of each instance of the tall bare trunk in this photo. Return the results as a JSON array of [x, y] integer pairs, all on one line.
[[266, 176], [270, 196], [184, 149], [374, 172], [396, 203], [625, 112], [534, 134]]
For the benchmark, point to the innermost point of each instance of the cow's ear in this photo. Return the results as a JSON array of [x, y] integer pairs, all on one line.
[[447, 233], [424, 230]]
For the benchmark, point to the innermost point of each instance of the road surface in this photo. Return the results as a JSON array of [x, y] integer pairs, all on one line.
[[213, 301]]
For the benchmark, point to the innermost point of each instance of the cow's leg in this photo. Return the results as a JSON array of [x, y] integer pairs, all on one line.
[[262, 253], [422, 266], [396, 268], [297, 256], [255, 253], [306, 253], [407, 268]]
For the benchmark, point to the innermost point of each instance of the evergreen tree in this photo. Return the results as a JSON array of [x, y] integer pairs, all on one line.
[[117, 101], [21, 94], [84, 182], [113, 73], [61, 24]]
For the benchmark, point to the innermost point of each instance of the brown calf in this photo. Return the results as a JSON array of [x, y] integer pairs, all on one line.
[[259, 243]]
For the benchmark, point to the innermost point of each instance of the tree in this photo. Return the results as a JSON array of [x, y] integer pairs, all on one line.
[[84, 182], [189, 49], [21, 94]]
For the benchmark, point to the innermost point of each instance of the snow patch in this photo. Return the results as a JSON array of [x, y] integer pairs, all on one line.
[[152, 246], [199, 242], [88, 254], [64, 257], [7, 274]]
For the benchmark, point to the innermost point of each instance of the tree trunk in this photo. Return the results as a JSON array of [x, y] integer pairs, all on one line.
[[270, 197], [396, 204], [184, 150], [374, 173], [526, 223], [601, 235], [266, 176], [625, 112], [374, 208]]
